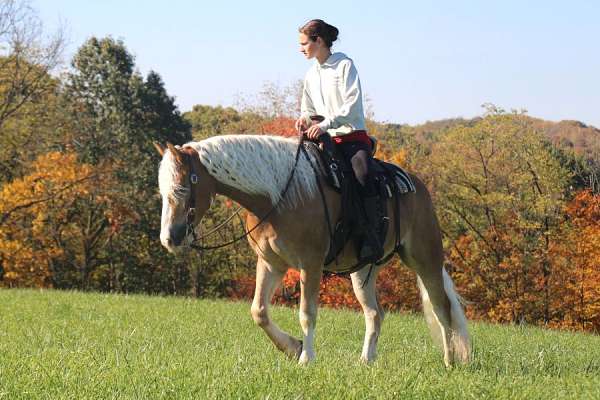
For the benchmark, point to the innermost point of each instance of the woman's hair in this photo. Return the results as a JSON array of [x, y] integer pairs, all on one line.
[[318, 28]]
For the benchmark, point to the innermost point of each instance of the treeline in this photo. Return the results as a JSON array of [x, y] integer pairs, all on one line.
[[520, 219], [79, 205]]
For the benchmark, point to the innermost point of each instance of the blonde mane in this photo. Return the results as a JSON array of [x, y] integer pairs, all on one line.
[[259, 164]]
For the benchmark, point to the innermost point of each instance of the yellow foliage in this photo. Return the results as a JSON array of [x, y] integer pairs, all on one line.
[[33, 207]]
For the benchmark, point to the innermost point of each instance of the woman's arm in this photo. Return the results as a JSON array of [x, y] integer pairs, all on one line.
[[307, 107], [351, 94]]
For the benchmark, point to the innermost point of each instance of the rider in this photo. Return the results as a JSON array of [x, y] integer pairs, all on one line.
[[332, 90]]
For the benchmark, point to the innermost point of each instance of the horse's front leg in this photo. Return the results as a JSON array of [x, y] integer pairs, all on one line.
[[267, 280], [309, 297], [364, 286]]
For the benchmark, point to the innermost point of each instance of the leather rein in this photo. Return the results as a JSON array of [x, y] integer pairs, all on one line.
[[191, 203]]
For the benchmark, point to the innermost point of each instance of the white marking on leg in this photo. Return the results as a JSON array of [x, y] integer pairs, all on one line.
[[434, 315], [309, 296], [267, 281], [307, 322], [366, 294]]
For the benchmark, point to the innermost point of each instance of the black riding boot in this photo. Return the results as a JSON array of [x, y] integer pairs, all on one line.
[[372, 249]]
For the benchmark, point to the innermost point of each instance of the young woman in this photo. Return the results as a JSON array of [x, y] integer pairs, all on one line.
[[332, 91]]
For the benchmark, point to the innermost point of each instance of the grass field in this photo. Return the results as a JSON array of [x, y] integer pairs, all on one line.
[[56, 345]]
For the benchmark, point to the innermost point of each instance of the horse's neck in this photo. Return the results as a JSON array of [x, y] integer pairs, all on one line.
[[256, 204], [251, 174]]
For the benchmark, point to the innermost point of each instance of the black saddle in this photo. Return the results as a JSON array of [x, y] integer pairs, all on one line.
[[389, 179]]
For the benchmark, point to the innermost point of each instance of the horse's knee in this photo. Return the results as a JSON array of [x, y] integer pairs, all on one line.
[[375, 317], [307, 318], [260, 316]]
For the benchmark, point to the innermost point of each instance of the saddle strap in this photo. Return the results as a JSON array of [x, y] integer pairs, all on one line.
[[325, 207]]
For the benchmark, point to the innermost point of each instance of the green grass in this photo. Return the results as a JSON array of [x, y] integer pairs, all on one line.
[[57, 345]]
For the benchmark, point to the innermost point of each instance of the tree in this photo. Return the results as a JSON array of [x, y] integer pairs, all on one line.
[[208, 121], [577, 256], [41, 229], [27, 90], [274, 101], [117, 115], [27, 58], [281, 126], [501, 194]]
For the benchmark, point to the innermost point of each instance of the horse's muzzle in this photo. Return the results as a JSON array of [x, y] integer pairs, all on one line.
[[174, 238]]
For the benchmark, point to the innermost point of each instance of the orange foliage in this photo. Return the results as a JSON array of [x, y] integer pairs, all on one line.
[[396, 287], [36, 211], [557, 285], [578, 255], [281, 126]]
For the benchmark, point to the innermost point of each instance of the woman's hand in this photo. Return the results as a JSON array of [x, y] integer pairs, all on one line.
[[314, 132], [300, 125]]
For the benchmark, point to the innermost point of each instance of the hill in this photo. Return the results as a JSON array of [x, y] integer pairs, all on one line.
[[583, 139], [75, 345]]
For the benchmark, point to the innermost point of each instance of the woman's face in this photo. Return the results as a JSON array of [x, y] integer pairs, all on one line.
[[309, 47]]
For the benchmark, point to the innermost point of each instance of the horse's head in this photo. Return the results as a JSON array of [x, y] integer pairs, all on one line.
[[187, 190]]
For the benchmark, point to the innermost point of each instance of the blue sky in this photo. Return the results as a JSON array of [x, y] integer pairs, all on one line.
[[418, 60]]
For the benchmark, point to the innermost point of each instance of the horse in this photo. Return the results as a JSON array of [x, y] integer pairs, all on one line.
[[289, 230]]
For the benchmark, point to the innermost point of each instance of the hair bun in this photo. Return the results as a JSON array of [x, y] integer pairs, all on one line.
[[319, 28], [333, 32]]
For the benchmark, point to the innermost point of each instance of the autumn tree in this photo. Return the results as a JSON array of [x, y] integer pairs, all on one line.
[[500, 194], [576, 255], [27, 90], [42, 233], [26, 57]]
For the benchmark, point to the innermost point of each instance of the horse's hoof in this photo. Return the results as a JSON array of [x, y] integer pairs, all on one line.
[[366, 360], [305, 358]]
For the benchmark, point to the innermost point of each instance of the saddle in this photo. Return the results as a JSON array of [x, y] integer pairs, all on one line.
[[389, 179]]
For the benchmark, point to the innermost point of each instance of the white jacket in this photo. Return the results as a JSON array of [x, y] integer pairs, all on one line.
[[332, 89]]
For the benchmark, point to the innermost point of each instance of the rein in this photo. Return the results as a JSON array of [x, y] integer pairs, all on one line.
[[192, 209]]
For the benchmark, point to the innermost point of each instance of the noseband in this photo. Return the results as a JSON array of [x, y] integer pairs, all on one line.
[[191, 202]]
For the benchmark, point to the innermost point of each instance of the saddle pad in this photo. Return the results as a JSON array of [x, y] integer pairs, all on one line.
[[401, 178]]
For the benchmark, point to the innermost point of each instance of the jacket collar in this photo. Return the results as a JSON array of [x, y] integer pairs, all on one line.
[[333, 59]]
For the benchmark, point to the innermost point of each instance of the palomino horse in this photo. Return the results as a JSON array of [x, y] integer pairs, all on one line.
[[254, 171]]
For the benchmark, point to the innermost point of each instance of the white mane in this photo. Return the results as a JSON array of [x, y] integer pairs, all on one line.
[[259, 164]]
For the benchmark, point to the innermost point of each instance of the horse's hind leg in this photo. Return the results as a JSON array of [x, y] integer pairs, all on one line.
[[441, 306], [363, 283], [267, 280], [436, 308]]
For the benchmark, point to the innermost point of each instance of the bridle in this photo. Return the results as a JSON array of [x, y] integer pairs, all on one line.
[[191, 202]]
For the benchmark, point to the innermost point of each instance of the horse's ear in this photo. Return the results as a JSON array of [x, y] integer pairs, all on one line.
[[159, 148], [175, 152]]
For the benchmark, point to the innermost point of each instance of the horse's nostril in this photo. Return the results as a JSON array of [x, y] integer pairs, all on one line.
[[177, 235], [168, 241]]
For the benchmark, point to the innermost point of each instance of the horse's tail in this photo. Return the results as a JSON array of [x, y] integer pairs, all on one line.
[[459, 340]]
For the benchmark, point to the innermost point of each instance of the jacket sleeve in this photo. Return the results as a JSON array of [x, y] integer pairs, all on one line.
[[307, 107], [351, 94]]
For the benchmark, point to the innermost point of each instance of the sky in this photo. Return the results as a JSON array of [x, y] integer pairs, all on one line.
[[417, 60]]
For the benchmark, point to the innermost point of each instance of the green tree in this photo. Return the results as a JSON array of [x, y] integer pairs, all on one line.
[[209, 121], [500, 194], [27, 91], [117, 114]]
